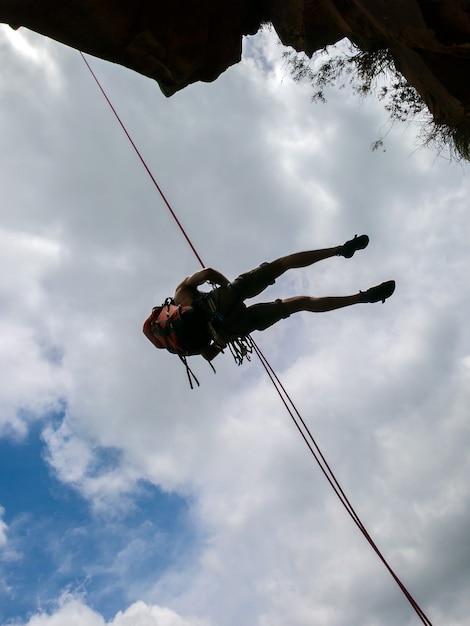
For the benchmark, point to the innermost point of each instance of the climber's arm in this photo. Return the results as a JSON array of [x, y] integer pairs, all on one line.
[[184, 293]]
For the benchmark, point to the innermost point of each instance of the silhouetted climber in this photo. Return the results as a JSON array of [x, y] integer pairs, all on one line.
[[194, 322]]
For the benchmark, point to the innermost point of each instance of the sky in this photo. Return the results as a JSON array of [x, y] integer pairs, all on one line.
[[128, 499]]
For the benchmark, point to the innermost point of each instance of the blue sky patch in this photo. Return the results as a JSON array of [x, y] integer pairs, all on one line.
[[56, 544]]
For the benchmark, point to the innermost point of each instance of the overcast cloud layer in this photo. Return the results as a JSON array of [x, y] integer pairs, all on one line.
[[254, 171]]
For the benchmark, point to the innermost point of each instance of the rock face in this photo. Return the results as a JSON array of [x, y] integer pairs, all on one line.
[[175, 42], [428, 39], [180, 42]]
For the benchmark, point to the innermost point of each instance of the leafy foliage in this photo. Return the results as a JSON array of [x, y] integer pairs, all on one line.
[[370, 70]]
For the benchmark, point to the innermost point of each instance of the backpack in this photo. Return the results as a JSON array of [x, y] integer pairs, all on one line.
[[166, 325], [161, 327]]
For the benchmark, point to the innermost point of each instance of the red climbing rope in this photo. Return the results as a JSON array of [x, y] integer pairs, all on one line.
[[173, 214], [329, 475], [283, 394]]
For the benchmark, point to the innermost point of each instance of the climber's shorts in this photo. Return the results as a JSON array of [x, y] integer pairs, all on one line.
[[263, 315], [255, 281], [236, 318]]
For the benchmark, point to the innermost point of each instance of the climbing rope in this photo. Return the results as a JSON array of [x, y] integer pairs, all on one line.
[[329, 475], [147, 169], [243, 349]]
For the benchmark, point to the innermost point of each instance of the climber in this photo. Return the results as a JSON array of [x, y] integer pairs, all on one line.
[[208, 321]]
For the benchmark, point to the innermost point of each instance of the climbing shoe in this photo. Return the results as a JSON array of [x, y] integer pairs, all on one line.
[[350, 247], [378, 293]]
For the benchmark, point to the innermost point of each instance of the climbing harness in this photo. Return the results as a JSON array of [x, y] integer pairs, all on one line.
[[240, 347], [283, 394]]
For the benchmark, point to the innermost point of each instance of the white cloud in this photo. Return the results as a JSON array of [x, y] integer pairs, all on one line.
[[141, 614], [3, 529], [78, 462], [31, 55], [254, 171], [32, 381], [73, 612]]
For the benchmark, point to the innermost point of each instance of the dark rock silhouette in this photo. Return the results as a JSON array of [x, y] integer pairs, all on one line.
[[178, 43]]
